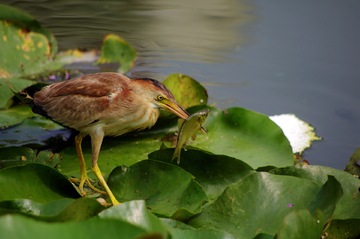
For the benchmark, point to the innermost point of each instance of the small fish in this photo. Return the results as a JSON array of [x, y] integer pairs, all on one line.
[[188, 129]]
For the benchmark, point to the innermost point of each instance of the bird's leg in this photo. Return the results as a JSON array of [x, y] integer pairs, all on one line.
[[84, 177], [96, 141]]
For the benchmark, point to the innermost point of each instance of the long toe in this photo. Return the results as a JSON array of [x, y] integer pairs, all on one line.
[[81, 185], [88, 181]]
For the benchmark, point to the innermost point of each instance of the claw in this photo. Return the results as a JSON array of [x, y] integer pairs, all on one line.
[[88, 181]]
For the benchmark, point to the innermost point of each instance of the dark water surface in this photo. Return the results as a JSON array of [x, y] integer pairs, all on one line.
[[274, 57]]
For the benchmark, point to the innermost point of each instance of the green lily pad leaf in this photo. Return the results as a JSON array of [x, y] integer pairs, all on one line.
[[136, 213], [34, 181], [48, 158], [180, 230], [14, 156], [176, 224], [352, 166], [245, 207], [44, 123], [343, 229], [349, 205], [18, 16], [209, 233], [26, 47], [168, 190], [186, 90], [16, 226], [245, 135], [26, 21], [213, 172], [327, 198], [15, 115], [116, 49], [23, 52], [301, 224], [264, 236], [6, 94], [57, 211]]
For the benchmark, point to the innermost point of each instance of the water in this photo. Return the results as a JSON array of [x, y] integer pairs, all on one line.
[[274, 57]]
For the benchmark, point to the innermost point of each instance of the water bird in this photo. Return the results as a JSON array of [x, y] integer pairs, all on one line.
[[104, 104]]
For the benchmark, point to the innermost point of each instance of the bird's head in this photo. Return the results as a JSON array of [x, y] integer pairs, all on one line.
[[160, 96]]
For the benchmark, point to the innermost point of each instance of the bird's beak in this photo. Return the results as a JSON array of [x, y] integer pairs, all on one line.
[[174, 107]]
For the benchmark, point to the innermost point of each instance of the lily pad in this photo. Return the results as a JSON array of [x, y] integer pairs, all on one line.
[[353, 166], [136, 213], [246, 135], [349, 205], [176, 224], [213, 172], [26, 21], [169, 191], [23, 52], [209, 233], [16, 226], [26, 48], [186, 90], [14, 156], [265, 236], [6, 94], [180, 230], [116, 49], [34, 181], [245, 207], [57, 211], [301, 224], [344, 229], [15, 115], [327, 198], [44, 123]]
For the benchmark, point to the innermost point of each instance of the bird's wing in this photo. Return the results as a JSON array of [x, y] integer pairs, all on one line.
[[79, 102]]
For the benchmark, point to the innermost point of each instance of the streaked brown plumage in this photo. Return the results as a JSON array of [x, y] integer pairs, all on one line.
[[104, 104]]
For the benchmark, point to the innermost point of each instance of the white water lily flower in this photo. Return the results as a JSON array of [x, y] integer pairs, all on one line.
[[299, 133]]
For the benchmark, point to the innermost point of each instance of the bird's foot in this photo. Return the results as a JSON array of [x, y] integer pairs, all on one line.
[[81, 183]]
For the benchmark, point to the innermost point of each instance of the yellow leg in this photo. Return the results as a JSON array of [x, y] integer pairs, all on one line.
[[98, 174], [84, 177], [96, 141]]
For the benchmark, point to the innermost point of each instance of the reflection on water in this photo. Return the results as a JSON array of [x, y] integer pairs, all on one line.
[[200, 30]]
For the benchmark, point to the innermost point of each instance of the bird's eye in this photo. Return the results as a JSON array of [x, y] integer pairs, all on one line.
[[160, 97]]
